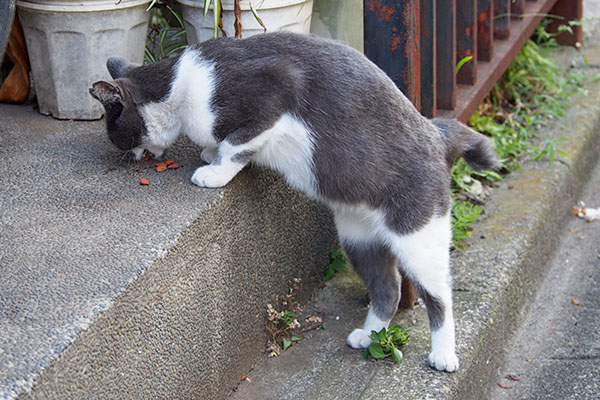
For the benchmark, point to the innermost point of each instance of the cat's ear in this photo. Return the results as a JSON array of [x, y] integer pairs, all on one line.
[[119, 66], [106, 92]]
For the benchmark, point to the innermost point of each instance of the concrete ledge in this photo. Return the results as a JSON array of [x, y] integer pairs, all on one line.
[[494, 279], [110, 289]]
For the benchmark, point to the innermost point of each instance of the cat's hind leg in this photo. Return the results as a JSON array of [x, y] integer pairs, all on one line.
[[375, 264], [424, 257]]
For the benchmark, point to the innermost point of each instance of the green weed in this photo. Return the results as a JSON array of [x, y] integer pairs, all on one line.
[[166, 35], [532, 92], [337, 263], [288, 342], [464, 214], [387, 342]]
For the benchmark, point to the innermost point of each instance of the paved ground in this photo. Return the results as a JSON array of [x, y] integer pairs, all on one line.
[[89, 258], [556, 352], [76, 228], [73, 242]]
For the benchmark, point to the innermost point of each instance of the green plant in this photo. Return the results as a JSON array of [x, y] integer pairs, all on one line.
[[462, 62], [532, 92], [549, 149], [387, 342], [288, 317], [217, 10], [337, 263], [464, 214], [288, 342], [164, 40]]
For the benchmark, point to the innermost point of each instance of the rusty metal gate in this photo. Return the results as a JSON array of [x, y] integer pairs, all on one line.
[[418, 42]]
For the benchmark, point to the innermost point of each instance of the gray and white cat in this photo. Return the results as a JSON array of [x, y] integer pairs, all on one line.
[[337, 129]]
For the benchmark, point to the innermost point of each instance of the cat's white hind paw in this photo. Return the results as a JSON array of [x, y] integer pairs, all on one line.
[[359, 339], [210, 177], [443, 361]]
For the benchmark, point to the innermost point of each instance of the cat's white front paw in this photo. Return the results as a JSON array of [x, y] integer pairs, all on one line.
[[443, 361], [208, 154], [210, 177], [359, 339]]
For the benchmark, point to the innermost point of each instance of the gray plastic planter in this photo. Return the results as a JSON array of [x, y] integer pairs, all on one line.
[[68, 44], [7, 13]]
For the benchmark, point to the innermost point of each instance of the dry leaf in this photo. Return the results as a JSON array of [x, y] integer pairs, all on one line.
[[144, 182], [314, 318], [575, 302]]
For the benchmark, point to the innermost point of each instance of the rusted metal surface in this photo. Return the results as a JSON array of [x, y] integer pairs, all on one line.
[[428, 58], [501, 19], [469, 97], [485, 30], [408, 293], [466, 40], [446, 54], [569, 10], [517, 8], [392, 42]]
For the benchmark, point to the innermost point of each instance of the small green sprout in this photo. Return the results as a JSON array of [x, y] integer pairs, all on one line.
[[464, 214], [288, 342], [337, 263], [387, 342]]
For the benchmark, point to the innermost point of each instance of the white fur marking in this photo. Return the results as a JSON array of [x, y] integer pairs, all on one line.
[[289, 150], [215, 176], [287, 147], [187, 106], [359, 338]]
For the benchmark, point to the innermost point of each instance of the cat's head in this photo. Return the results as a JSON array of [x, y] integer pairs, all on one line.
[[122, 100]]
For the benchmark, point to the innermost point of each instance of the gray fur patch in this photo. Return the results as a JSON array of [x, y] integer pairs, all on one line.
[[243, 157], [377, 267], [435, 308]]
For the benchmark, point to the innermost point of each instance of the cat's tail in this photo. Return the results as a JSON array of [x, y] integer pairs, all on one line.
[[462, 141]]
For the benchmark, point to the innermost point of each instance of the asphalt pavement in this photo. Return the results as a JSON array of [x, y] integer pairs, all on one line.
[[556, 352]]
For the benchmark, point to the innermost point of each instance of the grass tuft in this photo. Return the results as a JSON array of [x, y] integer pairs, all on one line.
[[532, 93]]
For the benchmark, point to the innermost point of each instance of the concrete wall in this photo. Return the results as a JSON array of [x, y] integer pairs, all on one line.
[[339, 19]]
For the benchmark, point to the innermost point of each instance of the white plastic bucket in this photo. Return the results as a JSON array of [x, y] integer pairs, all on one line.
[[277, 15]]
